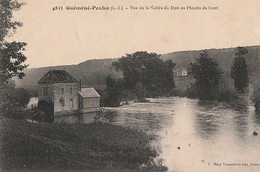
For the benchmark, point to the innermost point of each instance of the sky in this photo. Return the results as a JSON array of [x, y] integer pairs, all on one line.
[[71, 37]]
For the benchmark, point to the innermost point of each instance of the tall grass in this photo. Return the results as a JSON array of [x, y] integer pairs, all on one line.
[[44, 146]]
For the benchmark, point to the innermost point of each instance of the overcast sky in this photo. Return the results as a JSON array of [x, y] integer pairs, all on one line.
[[71, 37]]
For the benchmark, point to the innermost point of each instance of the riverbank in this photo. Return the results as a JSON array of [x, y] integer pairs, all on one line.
[[230, 98], [93, 147]]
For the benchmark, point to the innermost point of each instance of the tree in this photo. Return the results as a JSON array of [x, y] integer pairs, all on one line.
[[113, 92], [147, 68], [168, 76], [239, 69], [207, 74], [11, 56], [140, 92]]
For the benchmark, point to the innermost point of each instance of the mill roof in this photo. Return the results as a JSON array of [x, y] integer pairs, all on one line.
[[88, 92], [57, 76]]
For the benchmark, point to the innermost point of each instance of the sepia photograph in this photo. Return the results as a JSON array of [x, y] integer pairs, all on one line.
[[130, 85]]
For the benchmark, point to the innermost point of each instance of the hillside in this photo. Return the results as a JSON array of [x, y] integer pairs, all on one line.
[[224, 57], [94, 72]]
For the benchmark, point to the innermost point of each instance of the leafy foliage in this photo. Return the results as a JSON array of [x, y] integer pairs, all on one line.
[[11, 61], [113, 92], [105, 116], [226, 96], [147, 68], [239, 69], [48, 109], [11, 57], [8, 27], [140, 92], [13, 102], [207, 74]]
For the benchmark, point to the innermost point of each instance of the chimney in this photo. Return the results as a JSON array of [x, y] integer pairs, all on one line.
[[79, 84]]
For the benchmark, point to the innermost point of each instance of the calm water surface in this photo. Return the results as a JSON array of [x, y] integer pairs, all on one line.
[[193, 135]]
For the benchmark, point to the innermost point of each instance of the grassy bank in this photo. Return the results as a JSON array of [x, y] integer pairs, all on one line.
[[31, 146]]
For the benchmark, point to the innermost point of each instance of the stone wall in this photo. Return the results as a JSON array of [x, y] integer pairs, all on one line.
[[69, 98], [49, 96]]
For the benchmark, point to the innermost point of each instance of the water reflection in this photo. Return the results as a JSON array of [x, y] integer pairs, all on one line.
[[152, 116], [207, 124], [192, 135], [257, 117], [241, 124]]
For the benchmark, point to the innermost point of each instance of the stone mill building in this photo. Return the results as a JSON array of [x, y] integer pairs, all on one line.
[[61, 88]]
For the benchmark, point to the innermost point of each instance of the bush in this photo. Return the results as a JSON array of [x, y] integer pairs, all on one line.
[[48, 109], [33, 92], [105, 116], [257, 105], [192, 92], [140, 92], [113, 93], [13, 102], [226, 96]]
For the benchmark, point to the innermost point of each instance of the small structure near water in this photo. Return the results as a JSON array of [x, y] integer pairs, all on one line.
[[89, 100], [64, 91]]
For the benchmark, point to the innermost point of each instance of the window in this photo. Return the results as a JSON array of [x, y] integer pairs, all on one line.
[[62, 90], [94, 102], [62, 102], [45, 91], [71, 104], [70, 90]]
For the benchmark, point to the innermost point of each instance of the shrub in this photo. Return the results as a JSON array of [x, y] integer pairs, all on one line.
[[105, 116], [226, 96], [192, 92], [13, 102], [48, 109]]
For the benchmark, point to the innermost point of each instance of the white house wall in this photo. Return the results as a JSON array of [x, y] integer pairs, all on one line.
[[66, 96]]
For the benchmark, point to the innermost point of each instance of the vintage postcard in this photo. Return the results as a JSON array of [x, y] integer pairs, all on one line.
[[130, 85]]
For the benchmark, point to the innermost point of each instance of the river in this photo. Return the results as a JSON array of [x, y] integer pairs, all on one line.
[[197, 136]]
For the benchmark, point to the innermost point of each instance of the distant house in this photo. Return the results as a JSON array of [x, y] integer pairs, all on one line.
[[184, 72], [182, 79], [63, 90], [89, 100], [180, 71]]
